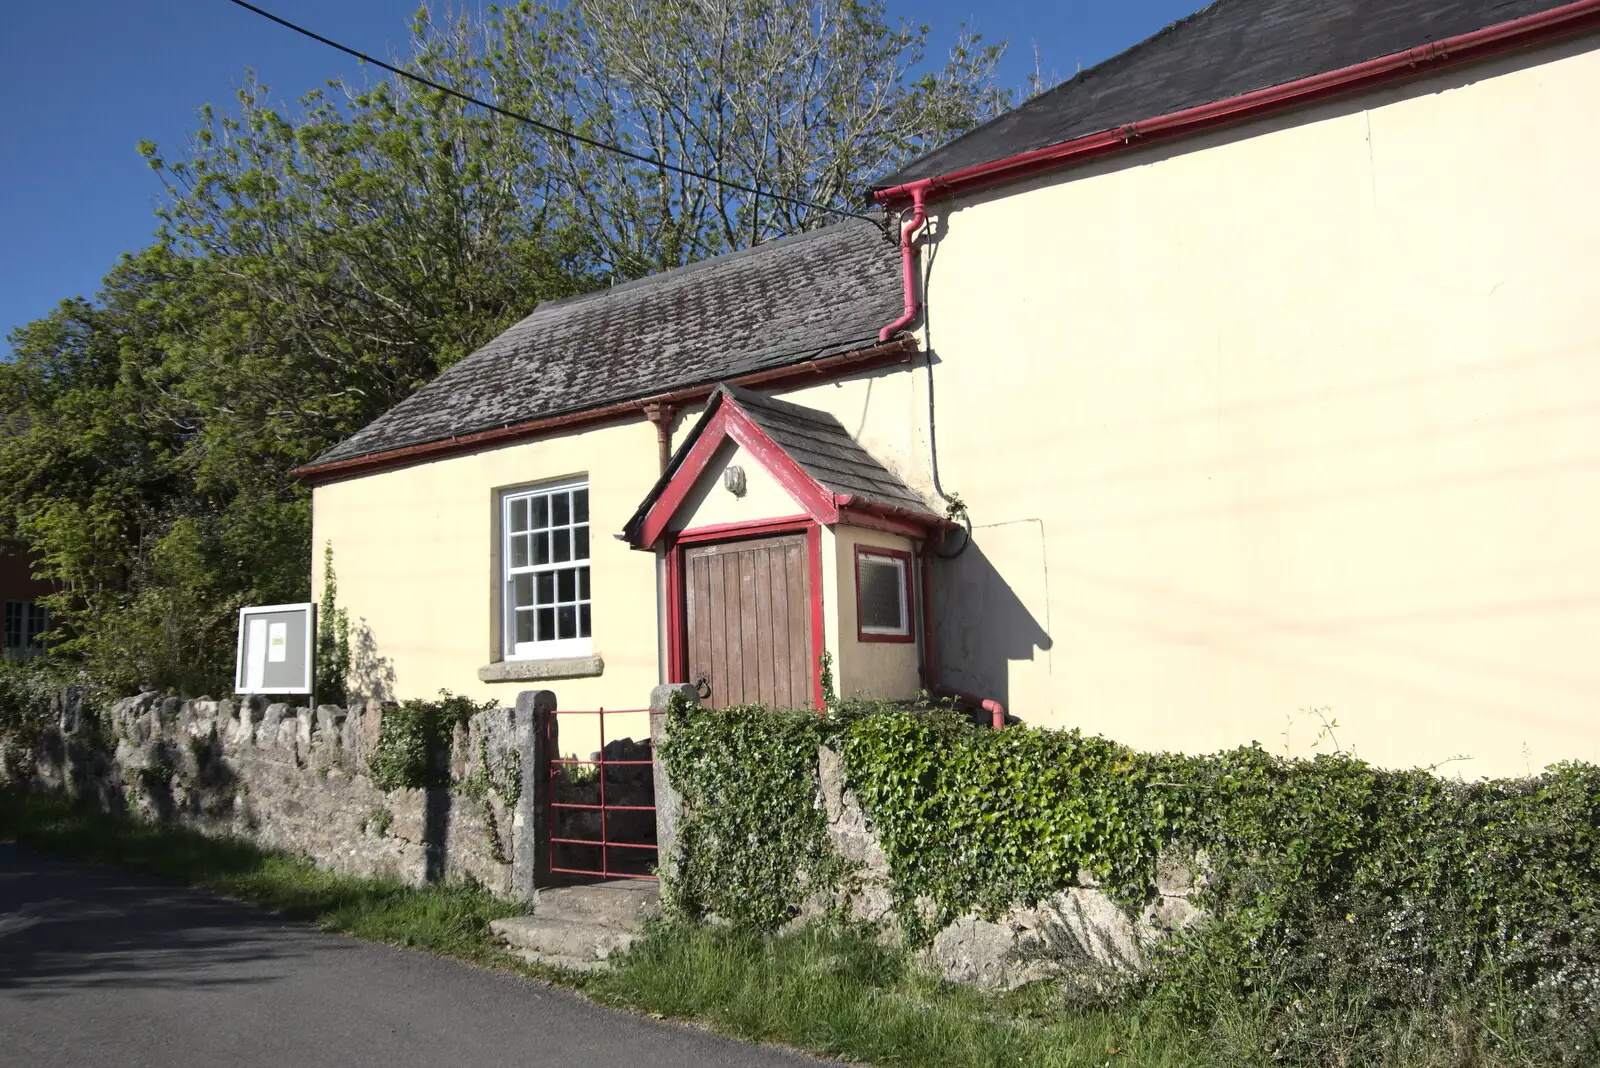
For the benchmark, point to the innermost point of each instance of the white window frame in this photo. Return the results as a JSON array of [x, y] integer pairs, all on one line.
[[901, 562], [555, 648]]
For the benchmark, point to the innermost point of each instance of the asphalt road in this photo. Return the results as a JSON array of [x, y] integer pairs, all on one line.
[[100, 967]]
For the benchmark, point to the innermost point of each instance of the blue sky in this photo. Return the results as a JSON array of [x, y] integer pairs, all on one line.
[[83, 82]]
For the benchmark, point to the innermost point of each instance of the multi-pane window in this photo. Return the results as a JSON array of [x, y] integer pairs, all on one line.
[[546, 555], [24, 628]]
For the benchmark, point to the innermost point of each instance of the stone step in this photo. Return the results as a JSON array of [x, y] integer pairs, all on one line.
[[624, 903], [563, 936], [555, 960]]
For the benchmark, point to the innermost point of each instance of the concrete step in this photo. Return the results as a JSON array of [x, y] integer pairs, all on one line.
[[563, 936]]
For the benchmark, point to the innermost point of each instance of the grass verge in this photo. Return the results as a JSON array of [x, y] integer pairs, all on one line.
[[834, 991]]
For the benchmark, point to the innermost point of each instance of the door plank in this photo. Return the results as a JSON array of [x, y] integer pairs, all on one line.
[[733, 651], [801, 657], [778, 613], [715, 632], [755, 639], [699, 590]]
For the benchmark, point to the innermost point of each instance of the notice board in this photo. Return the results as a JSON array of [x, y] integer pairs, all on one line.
[[277, 646]]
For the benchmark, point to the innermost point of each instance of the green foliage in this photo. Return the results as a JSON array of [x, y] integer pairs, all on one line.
[[753, 841], [414, 738], [333, 638], [378, 822], [1328, 879], [506, 780], [319, 261], [27, 688]]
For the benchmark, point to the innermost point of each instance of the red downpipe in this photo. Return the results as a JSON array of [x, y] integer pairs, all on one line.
[[908, 257], [1564, 21]]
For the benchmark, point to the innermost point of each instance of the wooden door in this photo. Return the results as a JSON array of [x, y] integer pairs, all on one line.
[[748, 608]]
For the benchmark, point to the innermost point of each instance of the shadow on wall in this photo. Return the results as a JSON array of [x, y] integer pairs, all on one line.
[[371, 675], [982, 626]]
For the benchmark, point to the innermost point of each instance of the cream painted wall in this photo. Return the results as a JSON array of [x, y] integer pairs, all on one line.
[[415, 557], [890, 670], [709, 503], [1299, 416]]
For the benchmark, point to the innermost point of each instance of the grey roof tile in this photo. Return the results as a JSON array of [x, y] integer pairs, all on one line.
[[794, 299], [1227, 49], [819, 443]]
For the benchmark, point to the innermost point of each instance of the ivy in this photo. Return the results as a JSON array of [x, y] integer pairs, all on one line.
[[414, 737], [1326, 877], [753, 839]]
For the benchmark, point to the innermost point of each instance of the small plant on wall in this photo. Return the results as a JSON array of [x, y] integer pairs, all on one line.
[[414, 739], [333, 638]]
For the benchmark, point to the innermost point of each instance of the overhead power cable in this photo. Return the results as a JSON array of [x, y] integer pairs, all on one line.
[[603, 146]]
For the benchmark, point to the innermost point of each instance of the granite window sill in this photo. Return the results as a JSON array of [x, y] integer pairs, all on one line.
[[567, 667]]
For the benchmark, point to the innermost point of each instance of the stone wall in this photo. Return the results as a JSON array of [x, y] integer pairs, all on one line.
[[287, 777]]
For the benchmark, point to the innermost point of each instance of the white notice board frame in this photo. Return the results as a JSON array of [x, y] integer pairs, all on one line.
[[253, 621]]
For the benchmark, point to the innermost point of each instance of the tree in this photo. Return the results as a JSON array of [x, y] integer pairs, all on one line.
[[317, 264], [806, 100]]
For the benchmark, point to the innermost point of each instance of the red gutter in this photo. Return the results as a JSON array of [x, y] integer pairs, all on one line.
[[897, 351], [908, 259], [1564, 21], [920, 523]]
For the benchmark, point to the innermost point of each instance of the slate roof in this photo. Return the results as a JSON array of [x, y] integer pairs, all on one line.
[[819, 443], [1227, 49], [798, 298]]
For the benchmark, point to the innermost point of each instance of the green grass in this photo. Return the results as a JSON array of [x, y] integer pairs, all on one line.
[[825, 989], [834, 991]]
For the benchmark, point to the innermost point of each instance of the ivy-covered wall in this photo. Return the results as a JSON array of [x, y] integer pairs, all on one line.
[[1318, 878]]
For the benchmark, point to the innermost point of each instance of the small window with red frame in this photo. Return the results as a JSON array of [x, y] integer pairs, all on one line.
[[883, 595]]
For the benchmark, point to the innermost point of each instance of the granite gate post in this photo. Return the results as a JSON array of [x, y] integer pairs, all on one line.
[[530, 827], [668, 803]]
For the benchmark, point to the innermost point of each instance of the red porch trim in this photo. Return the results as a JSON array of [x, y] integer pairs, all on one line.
[[729, 422], [863, 635], [807, 492], [860, 512], [756, 528], [676, 608]]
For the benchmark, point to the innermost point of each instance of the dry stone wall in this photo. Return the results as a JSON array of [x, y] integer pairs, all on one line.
[[289, 778]]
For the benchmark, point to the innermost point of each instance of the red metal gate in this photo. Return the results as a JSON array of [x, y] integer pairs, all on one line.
[[617, 792]]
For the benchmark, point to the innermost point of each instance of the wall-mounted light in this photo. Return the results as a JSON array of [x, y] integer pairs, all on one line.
[[733, 480]]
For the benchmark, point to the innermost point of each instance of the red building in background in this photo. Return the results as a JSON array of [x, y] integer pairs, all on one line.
[[25, 619]]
